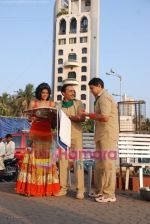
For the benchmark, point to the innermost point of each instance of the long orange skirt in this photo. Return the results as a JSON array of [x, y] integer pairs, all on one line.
[[38, 175]]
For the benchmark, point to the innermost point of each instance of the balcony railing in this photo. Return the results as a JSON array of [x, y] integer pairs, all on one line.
[[71, 63], [62, 12], [73, 31], [62, 32], [84, 30]]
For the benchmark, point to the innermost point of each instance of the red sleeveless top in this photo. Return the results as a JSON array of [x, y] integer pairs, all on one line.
[[41, 130]]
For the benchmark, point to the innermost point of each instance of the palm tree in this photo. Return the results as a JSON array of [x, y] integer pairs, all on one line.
[[5, 109], [14, 105], [23, 99]]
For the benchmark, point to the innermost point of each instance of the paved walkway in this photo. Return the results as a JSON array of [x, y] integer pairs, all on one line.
[[16, 209]]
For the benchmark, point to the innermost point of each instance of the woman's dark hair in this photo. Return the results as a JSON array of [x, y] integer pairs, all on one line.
[[96, 82], [39, 89]]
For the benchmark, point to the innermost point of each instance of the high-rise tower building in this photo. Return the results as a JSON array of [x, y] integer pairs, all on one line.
[[76, 45]]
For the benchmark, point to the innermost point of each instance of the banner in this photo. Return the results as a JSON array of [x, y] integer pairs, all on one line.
[[10, 125]]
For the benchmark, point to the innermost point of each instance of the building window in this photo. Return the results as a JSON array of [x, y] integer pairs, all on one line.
[[60, 52], [62, 26], [84, 25], [73, 25], [84, 50], [60, 70], [84, 69], [84, 59], [62, 41], [83, 78], [72, 57], [83, 87], [72, 40], [83, 39], [60, 61], [83, 97], [71, 75], [59, 88], [59, 97], [87, 2], [60, 79]]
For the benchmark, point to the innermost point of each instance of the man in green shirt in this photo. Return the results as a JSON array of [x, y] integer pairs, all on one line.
[[73, 109]]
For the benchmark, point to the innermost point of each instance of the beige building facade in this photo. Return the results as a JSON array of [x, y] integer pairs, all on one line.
[[76, 46]]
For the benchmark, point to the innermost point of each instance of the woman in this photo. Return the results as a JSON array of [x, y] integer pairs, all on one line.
[[38, 175]]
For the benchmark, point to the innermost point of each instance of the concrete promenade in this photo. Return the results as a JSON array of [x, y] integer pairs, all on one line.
[[17, 209]]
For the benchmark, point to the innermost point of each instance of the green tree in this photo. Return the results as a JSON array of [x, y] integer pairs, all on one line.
[[5, 108], [88, 126], [22, 99], [14, 105], [146, 126]]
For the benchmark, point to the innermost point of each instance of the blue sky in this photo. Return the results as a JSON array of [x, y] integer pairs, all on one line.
[[26, 33]]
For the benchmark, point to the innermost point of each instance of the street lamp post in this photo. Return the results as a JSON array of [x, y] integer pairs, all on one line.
[[118, 76]]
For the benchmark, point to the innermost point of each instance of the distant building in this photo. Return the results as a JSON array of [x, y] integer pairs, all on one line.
[[132, 114], [76, 45]]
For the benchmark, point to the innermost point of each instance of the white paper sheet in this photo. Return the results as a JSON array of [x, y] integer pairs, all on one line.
[[65, 129]]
